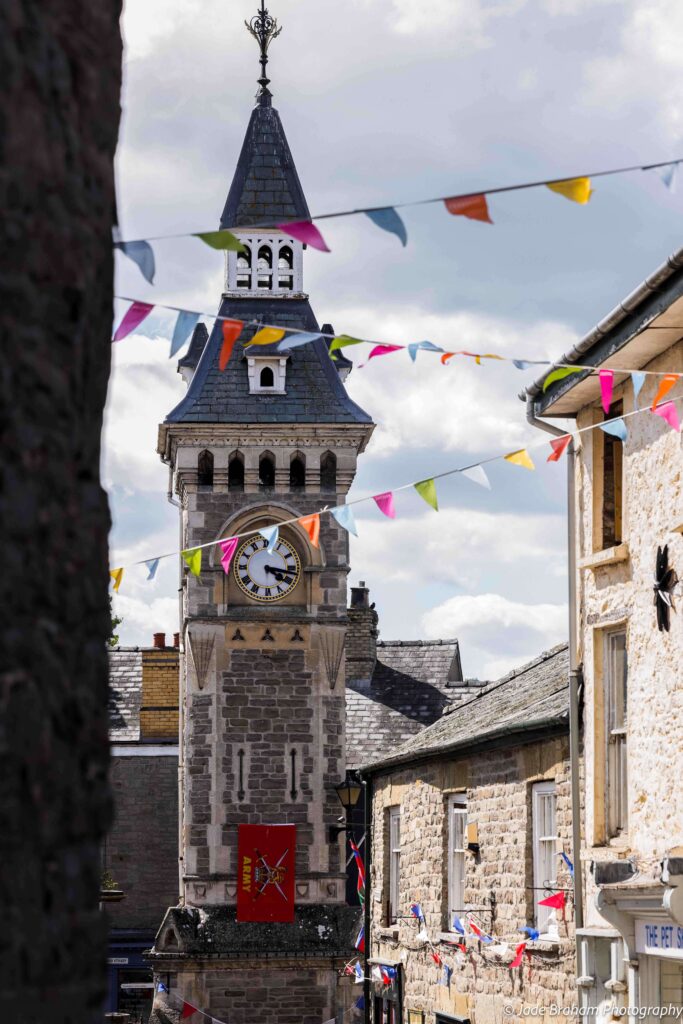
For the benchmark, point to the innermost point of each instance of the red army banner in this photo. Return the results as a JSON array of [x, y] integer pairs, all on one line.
[[265, 872]]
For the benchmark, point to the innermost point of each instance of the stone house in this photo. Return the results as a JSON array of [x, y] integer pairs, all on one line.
[[470, 817], [625, 502]]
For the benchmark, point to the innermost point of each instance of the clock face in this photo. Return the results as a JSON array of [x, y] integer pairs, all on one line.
[[264, 575]]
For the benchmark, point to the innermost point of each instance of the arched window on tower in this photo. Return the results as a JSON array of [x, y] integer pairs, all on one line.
[[236, 472], [267, 378], [264, 267], [285, 268], [205, 469], [297, 472], [266, 472], [328, 472], [244, 268]]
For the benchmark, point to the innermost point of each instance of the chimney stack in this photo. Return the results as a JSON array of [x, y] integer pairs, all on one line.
[[176, 640], [361, 636], [159, 641]]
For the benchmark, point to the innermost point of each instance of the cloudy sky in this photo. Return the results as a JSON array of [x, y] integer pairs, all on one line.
[[386, 101]]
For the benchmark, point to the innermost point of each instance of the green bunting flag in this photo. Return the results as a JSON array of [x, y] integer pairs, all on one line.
[[342, 340], [221, 240], [193, 558], [427, 490], [560, 374]]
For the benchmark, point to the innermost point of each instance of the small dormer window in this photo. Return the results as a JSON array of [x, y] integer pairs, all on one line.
[[267, 374]]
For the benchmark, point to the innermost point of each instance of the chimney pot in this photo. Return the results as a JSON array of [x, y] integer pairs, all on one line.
[[159, 640], [176, 640]]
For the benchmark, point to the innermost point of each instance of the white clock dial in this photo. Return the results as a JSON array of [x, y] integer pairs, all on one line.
[[266, 575]]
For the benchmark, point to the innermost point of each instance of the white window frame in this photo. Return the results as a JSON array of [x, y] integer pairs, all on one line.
[[544, 853], [615, 681], [277, 364], [394, 838], [457, 846]]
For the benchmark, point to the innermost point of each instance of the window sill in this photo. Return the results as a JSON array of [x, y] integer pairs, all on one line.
[[548, 944], [387, 932], [610, 556]]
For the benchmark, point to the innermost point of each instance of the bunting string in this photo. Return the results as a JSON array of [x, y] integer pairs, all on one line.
[[472, 204], [425, 487]]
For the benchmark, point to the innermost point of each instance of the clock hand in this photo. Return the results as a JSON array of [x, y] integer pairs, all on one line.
[[279, 574]]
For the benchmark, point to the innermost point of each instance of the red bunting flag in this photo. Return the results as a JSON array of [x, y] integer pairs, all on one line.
[[311, 525], [437, 959], [446, 356], [266, 856], [519, 951], [556, 901], [559, 447], [474, 207], [231, 332], [188, 1010]]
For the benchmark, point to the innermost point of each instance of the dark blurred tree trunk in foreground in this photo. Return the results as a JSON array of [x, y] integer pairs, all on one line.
[[60, 66]]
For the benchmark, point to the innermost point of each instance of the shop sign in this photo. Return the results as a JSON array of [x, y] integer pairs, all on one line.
[[117, 960], [658, 938]]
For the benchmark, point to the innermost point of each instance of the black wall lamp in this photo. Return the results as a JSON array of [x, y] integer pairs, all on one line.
[[348, 792]]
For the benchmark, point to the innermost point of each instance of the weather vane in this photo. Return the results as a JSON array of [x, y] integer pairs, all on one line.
[[264, 29]]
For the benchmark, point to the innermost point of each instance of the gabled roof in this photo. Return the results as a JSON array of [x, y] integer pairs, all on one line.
[[533, 697], [200, 336], [314, 391], [413, 681], [265, 188]]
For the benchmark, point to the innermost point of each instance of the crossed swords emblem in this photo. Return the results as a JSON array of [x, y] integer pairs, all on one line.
[[273, 876]]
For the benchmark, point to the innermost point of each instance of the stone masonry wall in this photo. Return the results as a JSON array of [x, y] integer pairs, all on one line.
[[160, 683], [498, 788], [59, 112]]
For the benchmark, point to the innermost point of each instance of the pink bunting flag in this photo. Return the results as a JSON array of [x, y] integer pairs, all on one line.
[[134, 316], [305, 231], [228, 548], [383, 350], [606, 385], [519, 953], [385, 503], [667, 410]]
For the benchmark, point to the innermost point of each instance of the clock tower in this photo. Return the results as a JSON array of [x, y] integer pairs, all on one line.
[[269, 439]]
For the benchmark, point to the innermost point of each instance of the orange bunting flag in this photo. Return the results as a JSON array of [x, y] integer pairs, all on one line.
[[311, 525], [266, 336], [117, 576], [446, 356], [577, 189], [520, 458], [665, 385], [559, 447], [231, 332], [474, 207]]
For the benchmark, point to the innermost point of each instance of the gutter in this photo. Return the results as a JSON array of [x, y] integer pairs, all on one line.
[[575, 674]]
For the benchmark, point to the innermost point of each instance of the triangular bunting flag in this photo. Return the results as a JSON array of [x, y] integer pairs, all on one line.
[[187, 1010], [231, 332], [559, 446], [345, 518], [637, 379], [477, 475], [459, 925], [266, 336], [427, 490], [385, 503], [668, 174], [295, 340], [383, 350], [559, 374], [446, 976], [305, 231], [667, 410], [136, 313], [311, 525], [522, 364], [342, 340], [570, 866], [389, 220], [152, 566], [606, 386], [577, 189], [415, 346], [617, 428], [556, 901], [220, 240], [184, 326], [665, 385], [193, 558], [446, 356], [533, 933], [228, 548], [117, 576], [519, 953], [142, 254], [520, 458], [271, 534], [474, 207]]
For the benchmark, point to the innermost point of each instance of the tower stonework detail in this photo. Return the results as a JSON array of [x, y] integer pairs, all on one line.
[[271, 438]]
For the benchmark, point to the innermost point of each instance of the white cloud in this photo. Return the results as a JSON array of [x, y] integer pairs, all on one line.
[[495, 633]]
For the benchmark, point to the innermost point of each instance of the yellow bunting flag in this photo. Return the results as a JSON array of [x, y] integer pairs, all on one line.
[[427, 490], [577, 189], [193, 558], [311, 525], [266, 336], [520, 458], [221, 240], [560, 374], [117, 576], [342, 340]]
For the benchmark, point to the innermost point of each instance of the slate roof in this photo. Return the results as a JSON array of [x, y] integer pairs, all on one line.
[[125, 694], [533, 696], [413, 681], [315, 393], [265, 188], [200, 336]]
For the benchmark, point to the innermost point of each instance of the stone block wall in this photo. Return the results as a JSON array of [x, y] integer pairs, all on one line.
[[498, 788]]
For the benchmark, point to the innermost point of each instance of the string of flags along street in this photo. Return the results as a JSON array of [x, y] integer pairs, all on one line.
[[472, 205], [286, 339], [426, 488]]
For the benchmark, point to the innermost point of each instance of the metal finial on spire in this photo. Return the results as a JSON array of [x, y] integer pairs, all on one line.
[[264, 29]]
